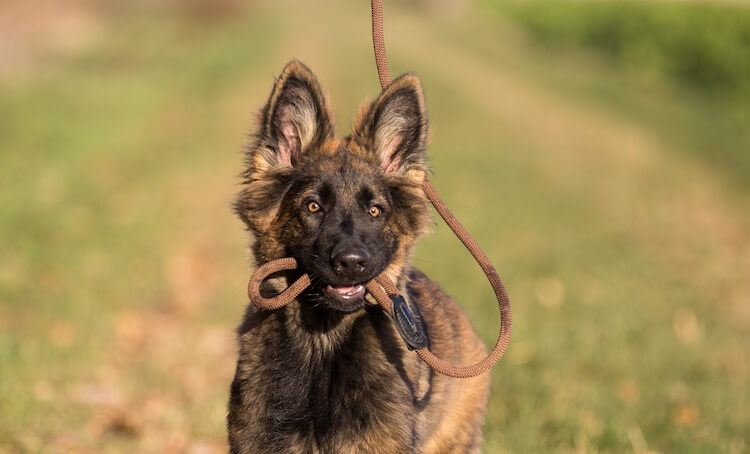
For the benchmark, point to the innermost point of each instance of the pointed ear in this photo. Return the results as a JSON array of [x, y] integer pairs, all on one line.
[[295, 118], [394, 127]]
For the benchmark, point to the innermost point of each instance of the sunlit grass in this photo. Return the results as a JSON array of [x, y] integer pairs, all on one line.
[[122, 269], [695, 51]]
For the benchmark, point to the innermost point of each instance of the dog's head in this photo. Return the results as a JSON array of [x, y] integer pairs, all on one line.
[[345, 209]]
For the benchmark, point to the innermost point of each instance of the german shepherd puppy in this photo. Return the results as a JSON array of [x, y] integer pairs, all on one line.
[[329, 373]]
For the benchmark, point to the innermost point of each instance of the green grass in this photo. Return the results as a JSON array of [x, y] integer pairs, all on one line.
[[122, 269], [705, 46], [90, 161], [695, 51]]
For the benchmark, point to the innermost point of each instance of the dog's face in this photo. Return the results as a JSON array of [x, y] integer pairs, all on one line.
[[347, 209]]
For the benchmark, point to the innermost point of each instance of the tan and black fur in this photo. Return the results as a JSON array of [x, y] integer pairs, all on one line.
[[325, 376]]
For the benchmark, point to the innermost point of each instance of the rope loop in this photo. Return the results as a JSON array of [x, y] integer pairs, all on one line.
[[283, 298]]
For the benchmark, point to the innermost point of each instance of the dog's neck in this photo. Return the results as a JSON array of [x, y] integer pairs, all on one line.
[[322, 330]]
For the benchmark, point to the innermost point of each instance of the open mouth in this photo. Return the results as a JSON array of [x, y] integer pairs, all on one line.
[[346, 293]]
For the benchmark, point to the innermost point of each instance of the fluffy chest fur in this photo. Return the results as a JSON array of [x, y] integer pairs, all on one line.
[[312, 381]]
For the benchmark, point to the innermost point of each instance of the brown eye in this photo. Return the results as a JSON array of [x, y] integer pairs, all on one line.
[[313, 207], [374, 211]]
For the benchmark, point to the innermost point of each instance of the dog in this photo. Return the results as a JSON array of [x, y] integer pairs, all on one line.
[[329, 373]]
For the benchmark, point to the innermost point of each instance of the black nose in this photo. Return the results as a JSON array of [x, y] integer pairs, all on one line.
[[350, 262]]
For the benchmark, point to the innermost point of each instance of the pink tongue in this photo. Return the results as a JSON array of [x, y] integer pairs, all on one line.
[[345, 289]]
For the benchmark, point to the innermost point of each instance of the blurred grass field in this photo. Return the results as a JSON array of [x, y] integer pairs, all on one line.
[[615, 207]]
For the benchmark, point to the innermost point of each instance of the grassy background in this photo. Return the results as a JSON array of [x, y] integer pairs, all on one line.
[[615, 205], [705, 46], [698, 50]]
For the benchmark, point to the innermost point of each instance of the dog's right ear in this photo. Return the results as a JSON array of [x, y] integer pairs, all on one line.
[[295, 119]]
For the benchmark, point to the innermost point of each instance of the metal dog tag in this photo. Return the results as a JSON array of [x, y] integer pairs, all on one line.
[[410, 329]]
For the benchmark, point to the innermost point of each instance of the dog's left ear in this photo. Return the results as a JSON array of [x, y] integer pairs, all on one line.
[[395, 127]]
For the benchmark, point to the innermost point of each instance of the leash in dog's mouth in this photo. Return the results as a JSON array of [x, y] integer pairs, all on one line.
[[381, 288], [387, 296]]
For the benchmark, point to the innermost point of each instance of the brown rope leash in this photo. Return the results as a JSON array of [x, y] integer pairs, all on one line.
[[382, 288], [378, 43]]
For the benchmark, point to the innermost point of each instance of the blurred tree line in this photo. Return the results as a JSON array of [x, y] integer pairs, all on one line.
[[704, 46]]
